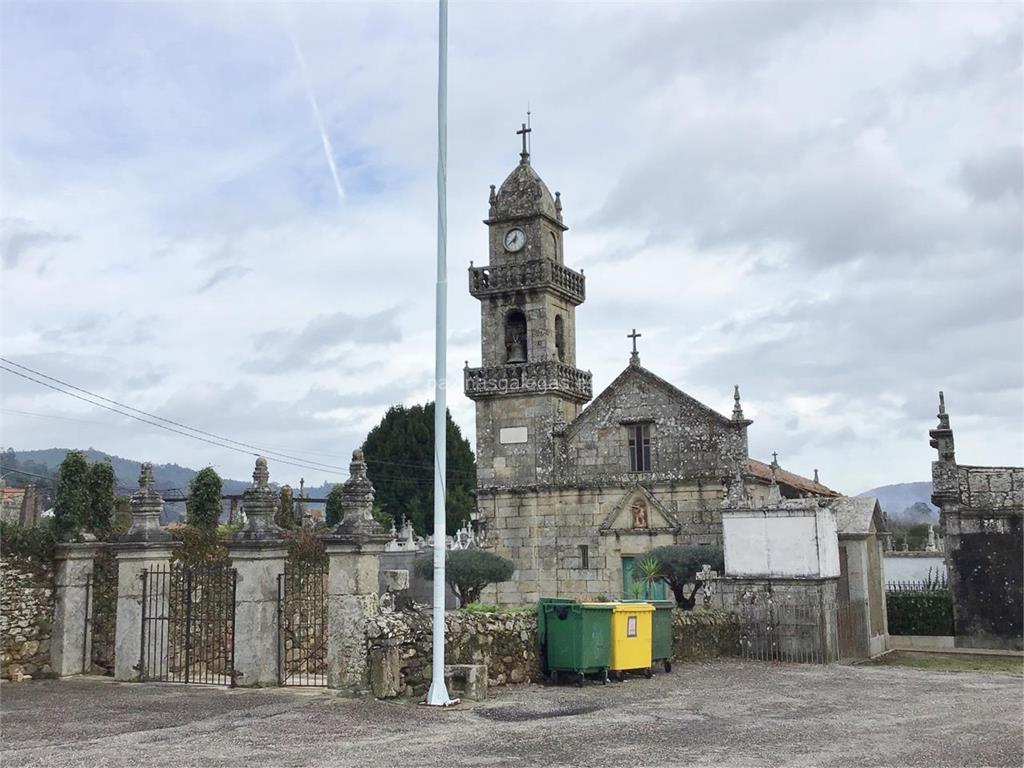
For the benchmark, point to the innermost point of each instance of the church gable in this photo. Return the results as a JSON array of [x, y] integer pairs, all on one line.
[[641, 424], [639, 511]]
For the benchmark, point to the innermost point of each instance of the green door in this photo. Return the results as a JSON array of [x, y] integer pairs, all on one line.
[[654, 591]]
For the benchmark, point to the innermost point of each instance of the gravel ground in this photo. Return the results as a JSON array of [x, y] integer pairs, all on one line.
[[726, 713]]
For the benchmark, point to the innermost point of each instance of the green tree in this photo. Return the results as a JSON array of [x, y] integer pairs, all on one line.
[[468, 571], [203, 506], [72, 508], [400, 462], [332, 509], [102, 498], [285, 516], [678, 565]]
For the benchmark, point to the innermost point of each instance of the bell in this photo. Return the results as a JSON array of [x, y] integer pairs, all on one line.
[[517, 351]]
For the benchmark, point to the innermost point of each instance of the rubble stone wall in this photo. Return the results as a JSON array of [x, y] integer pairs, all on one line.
[[26, 614]]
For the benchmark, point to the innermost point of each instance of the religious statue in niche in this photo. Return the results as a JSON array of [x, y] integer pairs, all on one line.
[[639, 510]]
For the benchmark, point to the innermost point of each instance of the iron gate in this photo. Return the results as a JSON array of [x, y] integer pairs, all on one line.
[[100, 615], [188, 625], [302, 624]]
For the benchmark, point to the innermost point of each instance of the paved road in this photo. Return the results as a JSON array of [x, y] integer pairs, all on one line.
[[719, 714]]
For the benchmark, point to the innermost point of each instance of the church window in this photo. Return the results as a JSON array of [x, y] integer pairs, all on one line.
[[560, 338], [639, 447], [515, 337], [584, 556], [554, 246]]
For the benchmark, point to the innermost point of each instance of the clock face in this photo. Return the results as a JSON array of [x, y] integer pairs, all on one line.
[[515, 239]]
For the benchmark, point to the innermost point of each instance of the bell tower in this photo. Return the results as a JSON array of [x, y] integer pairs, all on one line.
[[528, 382]]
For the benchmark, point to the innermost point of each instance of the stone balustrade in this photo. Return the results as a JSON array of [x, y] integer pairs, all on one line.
[[539, 378], [527, 275]]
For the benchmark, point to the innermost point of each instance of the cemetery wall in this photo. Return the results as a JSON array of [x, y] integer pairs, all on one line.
[[26, 597]]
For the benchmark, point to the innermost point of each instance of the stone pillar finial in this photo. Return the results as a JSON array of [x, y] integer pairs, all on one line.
[[357, 503], [774, 492], [737, 409], [492, 201], [558, 205], [942, 435], [146, 505], [259, 503], [816, 476]]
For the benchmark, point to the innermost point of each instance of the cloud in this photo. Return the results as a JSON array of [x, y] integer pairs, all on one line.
[[233, 272], [19, 237], [995, 175]]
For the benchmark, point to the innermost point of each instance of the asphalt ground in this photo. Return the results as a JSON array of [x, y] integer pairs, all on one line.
[[725, 713]]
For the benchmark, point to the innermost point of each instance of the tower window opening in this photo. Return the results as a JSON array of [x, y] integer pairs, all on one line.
[[515, 337], [560, 338], [639, 447]]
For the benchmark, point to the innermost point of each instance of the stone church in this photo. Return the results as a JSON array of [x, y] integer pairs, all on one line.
[[574, 493]]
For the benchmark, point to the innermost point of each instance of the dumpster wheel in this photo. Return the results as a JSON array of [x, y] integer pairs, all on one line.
[[579, 680], [668, 665], [648, 673]]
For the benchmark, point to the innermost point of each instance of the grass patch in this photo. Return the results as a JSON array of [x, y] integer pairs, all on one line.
[[488, 608], [951, 662]]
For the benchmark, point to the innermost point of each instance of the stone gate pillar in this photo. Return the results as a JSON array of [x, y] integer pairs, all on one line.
[[353, 551], [257, 553], [143, 547], [71, 643]]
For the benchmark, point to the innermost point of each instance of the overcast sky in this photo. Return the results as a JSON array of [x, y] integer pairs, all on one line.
[[819, 202]]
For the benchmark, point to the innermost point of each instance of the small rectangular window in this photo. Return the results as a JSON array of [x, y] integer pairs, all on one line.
[[584, 556], [639, 447]]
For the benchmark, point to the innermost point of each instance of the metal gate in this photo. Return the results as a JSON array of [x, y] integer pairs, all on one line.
[[188, 625], [302, 624], [784, 632], [100, 615]]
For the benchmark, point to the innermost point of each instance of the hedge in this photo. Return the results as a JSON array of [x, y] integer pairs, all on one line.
[[920, 613]]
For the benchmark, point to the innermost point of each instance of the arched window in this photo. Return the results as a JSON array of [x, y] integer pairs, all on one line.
[[560, 338], [515, 337], [554, 246]]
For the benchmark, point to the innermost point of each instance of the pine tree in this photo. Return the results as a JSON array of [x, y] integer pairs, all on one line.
[[400, 459], [204, 506]]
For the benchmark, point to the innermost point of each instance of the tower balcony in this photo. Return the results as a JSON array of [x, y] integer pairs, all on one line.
[[528, 275], [548, 377]]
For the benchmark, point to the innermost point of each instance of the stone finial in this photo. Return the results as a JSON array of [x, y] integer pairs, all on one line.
[[737, 409], [146, 506], [492, 201], [930, 545], [775, 463], [942, 435], [558, 205], [816, 476], [259, 503], [357, 504]]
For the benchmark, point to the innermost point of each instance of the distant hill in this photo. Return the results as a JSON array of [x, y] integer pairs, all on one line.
[[168, 477], [906, 503]]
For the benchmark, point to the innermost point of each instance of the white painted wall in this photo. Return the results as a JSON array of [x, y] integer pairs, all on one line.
[[902, 568], [781, 542]]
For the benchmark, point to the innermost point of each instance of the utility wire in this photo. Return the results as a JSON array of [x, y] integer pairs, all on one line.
[[284, 458]]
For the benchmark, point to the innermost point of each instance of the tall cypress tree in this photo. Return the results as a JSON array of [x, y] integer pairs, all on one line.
[[100, 481], [400, 458], [203, 507], [71, 511]]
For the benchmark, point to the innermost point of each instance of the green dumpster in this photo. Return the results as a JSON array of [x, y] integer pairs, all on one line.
[[661, 631], [577, 638], [542, 627]]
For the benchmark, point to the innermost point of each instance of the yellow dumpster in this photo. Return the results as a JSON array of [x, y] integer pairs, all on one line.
[[631, 639]]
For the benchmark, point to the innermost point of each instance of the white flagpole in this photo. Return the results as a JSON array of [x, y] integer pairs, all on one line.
[[438, 693]]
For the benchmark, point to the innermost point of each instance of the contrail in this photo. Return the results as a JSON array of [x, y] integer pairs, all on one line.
[[317, 116]]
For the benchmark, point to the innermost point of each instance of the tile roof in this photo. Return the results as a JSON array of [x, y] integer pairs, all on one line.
[[761, 471]]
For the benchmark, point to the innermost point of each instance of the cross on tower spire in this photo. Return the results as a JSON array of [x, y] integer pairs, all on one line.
[[634, 359], [525, 154]]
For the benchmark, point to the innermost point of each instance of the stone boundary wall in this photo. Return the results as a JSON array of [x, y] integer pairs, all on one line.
[[399, 645], [26, 614], [400, 648]]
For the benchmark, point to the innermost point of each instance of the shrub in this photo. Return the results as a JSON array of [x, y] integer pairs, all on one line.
[[199, 546], [203, 506], [306, 547], [35, 544], [679, 565], [468, 572], [332, 511], [100, 483], [928, 612]]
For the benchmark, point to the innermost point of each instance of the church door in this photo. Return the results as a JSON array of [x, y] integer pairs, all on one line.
[[654, 591]]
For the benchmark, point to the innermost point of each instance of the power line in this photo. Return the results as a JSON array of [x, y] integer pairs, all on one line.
[[311, 464]]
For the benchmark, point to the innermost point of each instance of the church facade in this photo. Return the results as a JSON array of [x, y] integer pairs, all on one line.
[[575, 494]]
